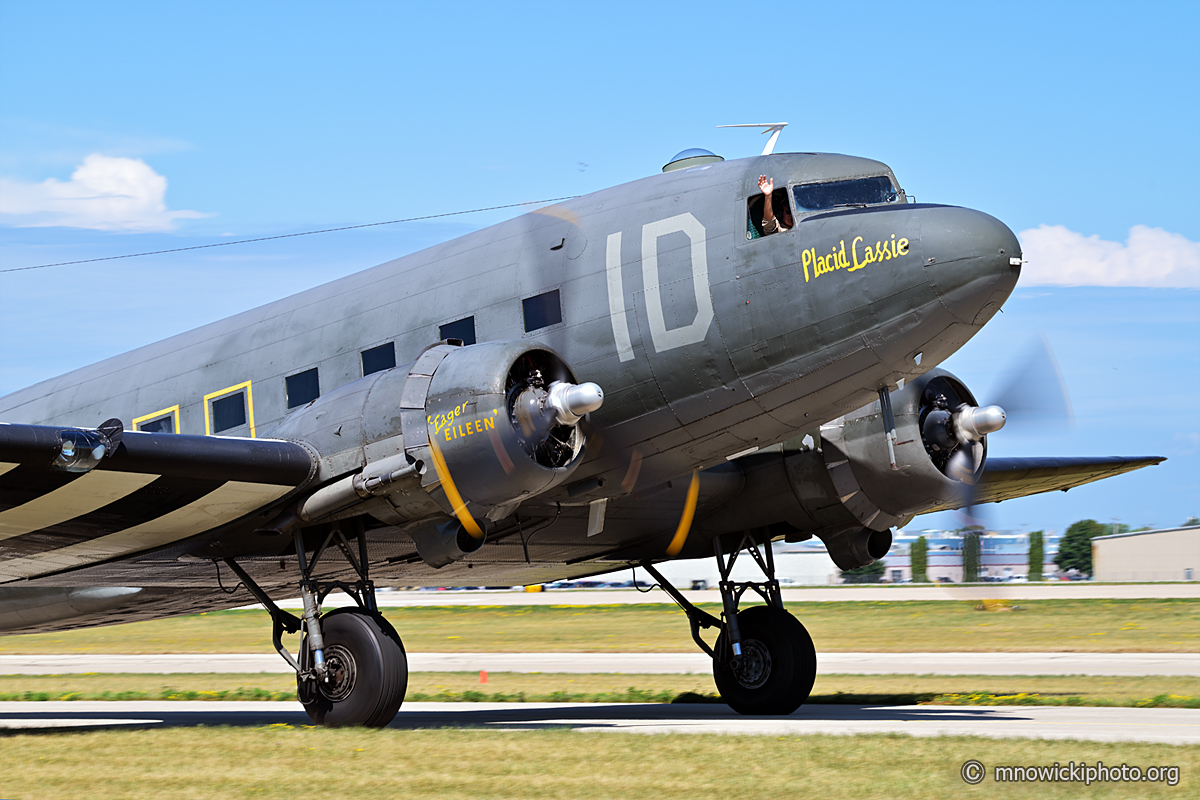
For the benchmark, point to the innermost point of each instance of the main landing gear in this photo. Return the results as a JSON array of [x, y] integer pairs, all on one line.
[[764, 661], [352, 669]]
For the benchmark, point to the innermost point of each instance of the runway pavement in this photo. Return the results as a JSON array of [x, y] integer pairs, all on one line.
[[1063, 590], [1160, 725], [1176, 664]]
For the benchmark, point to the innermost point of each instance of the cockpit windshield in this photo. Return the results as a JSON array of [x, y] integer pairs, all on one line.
[[835, 194]]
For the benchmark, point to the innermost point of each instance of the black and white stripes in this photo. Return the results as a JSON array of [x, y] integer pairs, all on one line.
[[156, 489]]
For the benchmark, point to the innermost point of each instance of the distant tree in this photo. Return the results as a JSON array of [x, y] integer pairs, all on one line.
[[871, 573], [1075, 549], [970, 558], [918, 556], [1190, 522], [1037, 554]]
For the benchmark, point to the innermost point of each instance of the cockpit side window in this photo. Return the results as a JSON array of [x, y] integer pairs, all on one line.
[[782, 213], [839, 194]]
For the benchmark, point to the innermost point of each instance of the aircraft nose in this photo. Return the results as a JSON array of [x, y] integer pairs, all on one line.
[[972, 259]]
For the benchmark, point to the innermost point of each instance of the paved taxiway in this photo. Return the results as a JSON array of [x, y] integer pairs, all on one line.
[[1161, 725], [1175, 664], [1073, 590]]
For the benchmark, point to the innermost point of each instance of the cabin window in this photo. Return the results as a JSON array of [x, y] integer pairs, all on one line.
[[838, 194], [303, 388], [542, 311], [780, 211], [160, 425], [377, 359], [463, 329], [165, 421], [229, 412]]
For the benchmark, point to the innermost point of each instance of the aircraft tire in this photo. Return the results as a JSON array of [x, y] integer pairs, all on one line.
[[779, 664], [369, 672]]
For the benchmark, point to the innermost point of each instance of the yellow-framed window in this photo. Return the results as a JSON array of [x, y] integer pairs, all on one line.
[[229, 409], [165, 420]]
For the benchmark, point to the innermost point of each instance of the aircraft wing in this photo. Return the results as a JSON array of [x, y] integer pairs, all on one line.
[[70, 497], [1008, 478]]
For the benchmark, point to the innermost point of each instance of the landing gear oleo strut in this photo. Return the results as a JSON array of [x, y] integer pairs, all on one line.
[[352, 669], [764, 661]]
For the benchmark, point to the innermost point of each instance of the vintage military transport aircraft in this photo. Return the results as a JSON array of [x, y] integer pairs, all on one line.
[[664, 369]]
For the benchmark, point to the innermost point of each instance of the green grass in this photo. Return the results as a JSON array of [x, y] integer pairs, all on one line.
[[1141, 691], [1171, 625], [283, 761]]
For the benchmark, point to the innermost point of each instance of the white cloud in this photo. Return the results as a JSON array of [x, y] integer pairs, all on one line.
[[105, 193], [1150, 257]]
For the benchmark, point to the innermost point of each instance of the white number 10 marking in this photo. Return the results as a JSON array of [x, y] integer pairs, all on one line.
[[663, 338]]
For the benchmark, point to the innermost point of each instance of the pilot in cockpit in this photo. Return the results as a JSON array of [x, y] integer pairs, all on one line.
[[770, 224]]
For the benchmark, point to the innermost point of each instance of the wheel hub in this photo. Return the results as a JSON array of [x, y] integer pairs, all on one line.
[[340, 673], [754, 667]]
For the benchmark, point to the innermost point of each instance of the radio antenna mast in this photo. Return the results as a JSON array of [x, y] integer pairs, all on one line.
[[773, 128]]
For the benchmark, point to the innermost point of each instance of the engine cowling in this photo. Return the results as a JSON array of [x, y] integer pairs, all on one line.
[[498, 421], [851, 492], [928, 414]]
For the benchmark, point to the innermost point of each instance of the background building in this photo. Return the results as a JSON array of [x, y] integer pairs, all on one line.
[[1003, 555], [1171, 554], [1164, 555], [801, 564]]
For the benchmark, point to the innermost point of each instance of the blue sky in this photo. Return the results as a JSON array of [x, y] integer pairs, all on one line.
[[131, 127]]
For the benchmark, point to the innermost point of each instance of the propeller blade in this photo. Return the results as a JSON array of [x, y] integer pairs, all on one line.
[[971, 513], [962, 465], [1033, 391]]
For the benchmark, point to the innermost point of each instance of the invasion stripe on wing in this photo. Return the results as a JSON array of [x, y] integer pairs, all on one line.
[[29, 482], [160, 496], [92, 491], [229, 502]]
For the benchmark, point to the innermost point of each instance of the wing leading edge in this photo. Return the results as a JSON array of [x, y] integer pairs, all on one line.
[[148, 490], [1009, 478]]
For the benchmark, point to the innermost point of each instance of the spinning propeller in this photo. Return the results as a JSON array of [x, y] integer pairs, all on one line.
[[954, 435], [1032, 397]]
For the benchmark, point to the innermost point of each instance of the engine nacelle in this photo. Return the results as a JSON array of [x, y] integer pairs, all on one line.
[[463, 433], [928, 413], [846, 487]]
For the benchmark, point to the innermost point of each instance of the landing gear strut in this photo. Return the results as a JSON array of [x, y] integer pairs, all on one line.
[[352, 669], [764, 661]]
